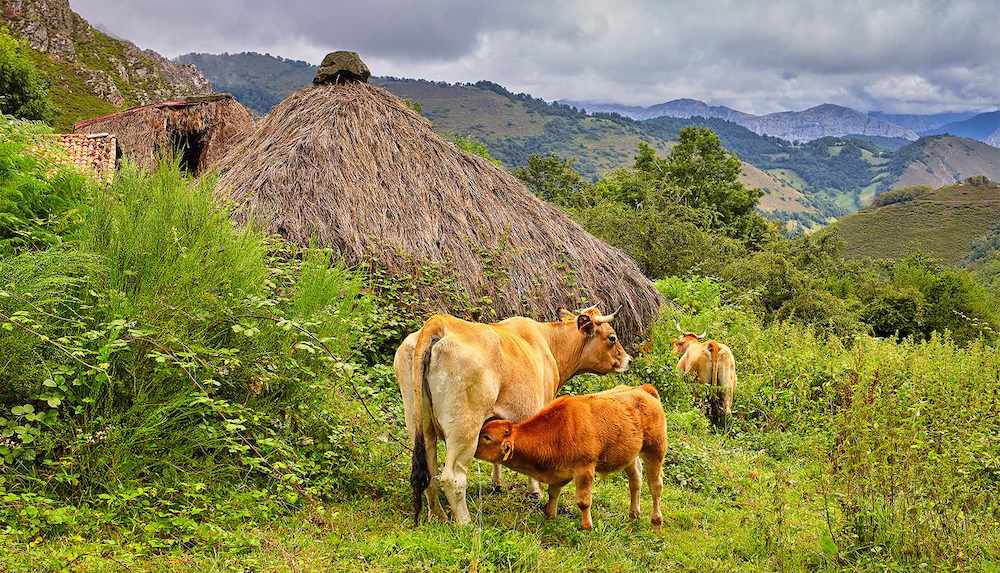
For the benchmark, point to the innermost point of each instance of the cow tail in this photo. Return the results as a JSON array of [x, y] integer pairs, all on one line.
[[420, 475], [713, 347], [716, 400]]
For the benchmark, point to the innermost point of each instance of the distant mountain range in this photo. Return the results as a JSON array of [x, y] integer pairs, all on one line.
[[983, 127], [826, 120]]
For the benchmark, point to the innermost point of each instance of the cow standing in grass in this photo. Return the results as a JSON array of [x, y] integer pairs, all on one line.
[[454, 374], [575, 437], [712, 363]]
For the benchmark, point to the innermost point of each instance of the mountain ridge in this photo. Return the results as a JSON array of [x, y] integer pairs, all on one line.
[[983, 127]]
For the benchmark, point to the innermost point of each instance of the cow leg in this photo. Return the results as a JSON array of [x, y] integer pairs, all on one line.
[[461, 445], [553, 505], [433, 496], [654, 479], [634, 472], [584, 482]]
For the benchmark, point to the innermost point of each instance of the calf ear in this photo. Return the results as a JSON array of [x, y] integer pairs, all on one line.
[[585, 324]]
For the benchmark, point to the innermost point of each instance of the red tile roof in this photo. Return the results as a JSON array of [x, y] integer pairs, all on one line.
[[93, 153]]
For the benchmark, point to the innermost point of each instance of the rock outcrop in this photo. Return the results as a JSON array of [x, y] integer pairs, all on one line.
[[112, 69]]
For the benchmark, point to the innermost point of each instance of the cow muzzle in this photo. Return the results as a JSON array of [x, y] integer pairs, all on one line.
[[622, 365]]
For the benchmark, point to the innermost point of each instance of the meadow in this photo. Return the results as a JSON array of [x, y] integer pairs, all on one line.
[[181, 394]]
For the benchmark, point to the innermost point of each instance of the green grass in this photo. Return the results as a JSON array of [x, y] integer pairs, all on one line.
[[942, 225], [768, 514]]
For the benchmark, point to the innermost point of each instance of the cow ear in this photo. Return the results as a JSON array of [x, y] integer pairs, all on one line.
[[585, 323], [565, 314]]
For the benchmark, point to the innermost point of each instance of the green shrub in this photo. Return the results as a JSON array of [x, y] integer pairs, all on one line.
[[173, 347], [915, 453], [23, 92], [169, 251], [37, 199]]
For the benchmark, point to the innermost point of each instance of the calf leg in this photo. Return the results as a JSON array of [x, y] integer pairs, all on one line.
[[534, 488], [654, 478], [584, 482], [634, 471], [553, 504], [496, 477]]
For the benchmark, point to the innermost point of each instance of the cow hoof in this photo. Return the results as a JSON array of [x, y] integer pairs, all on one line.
[[633, 515], [498, 487], [656, 521]]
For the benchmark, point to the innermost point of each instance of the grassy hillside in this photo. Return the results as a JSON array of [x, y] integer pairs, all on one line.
[[941, 160], [943, 223], [258, 81]]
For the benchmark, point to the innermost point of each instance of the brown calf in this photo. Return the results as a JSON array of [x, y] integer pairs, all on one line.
[[712, 364], [575, 436]]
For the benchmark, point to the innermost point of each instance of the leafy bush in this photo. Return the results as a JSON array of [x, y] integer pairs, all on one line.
[[172, 347], [23, 92], [901, 195], [915, 448], [37, 198]]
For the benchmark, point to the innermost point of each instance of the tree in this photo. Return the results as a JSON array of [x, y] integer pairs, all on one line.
[[553, 178], [708, 176], [473, 146], [23, 92]]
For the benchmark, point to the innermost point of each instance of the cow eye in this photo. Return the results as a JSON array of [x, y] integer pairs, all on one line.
[[612, 339]]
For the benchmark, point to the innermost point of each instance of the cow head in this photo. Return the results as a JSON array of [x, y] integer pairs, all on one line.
[[685, 339], [602, 351], [495, 442]]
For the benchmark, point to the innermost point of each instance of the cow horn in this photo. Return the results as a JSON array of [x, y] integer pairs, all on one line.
[[702, 335], [607, 317], [678, 325]]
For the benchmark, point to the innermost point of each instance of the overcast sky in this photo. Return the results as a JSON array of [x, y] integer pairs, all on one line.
[[902, 56]]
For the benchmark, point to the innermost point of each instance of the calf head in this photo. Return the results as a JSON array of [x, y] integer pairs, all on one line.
[[495, 444], [681, 343], [602, 351]]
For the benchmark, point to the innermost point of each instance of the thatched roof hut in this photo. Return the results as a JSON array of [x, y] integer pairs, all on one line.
[[348, 165], [201, 128]]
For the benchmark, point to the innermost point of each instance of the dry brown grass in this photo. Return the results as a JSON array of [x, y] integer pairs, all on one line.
[[350, 166], [146, 133]]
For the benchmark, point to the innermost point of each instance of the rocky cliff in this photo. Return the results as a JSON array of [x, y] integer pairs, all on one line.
[[84, 64]]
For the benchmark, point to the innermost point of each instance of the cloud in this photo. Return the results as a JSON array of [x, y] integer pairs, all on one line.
[[919, 55]]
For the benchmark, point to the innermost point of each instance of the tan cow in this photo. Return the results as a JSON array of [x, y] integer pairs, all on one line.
[[711, 363], [575, 437], [455, 374]]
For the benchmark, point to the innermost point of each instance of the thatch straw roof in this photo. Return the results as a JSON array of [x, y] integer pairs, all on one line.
[[352, 167], [203, 128]]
